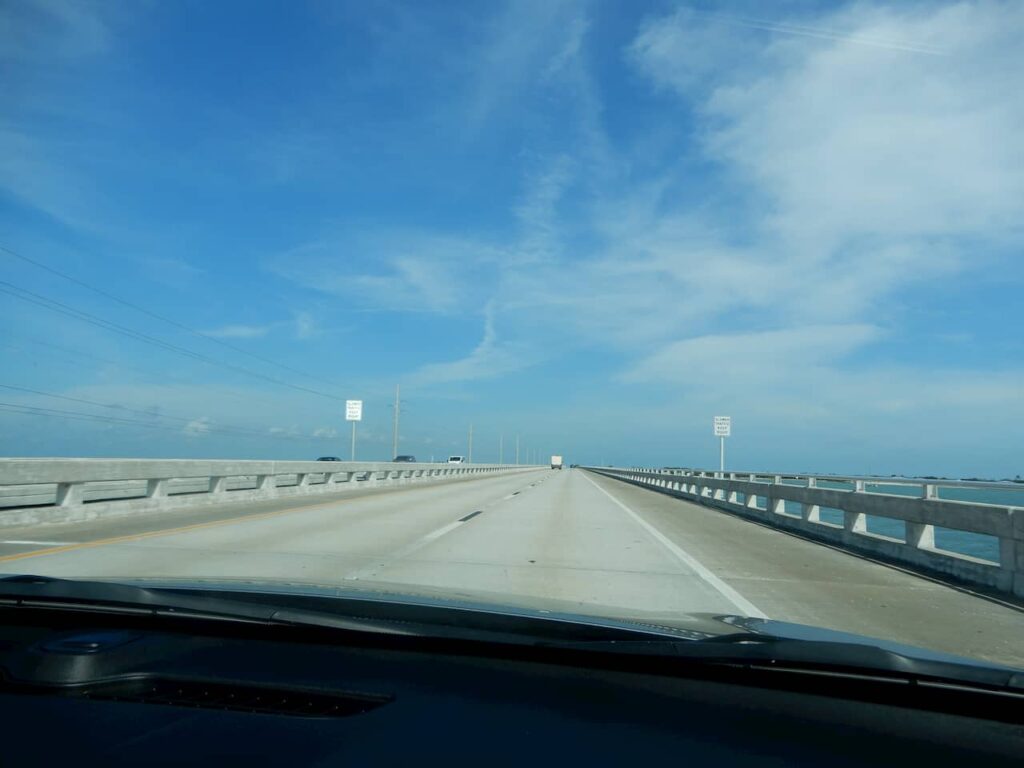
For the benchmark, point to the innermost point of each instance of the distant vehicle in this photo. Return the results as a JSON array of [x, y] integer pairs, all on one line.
[[405, 457], [328, 458], [456, 459], [556, 462]]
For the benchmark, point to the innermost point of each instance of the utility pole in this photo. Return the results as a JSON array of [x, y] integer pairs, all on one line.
[[501, 449], [394, 431], [469, 454], [517, 450]]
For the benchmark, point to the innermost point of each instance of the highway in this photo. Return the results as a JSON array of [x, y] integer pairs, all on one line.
[[597, 544]]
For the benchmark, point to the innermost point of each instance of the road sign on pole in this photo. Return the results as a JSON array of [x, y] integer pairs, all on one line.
[[723, 429], [353, 413]]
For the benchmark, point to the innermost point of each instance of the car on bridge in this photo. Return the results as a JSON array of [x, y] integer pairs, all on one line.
[[406, 458], [328, 458], [456, 459]]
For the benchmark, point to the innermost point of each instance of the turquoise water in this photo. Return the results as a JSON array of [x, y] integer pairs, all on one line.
[[973, 544]]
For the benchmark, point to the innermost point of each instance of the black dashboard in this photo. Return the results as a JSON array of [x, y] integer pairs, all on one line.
[[114, 691]]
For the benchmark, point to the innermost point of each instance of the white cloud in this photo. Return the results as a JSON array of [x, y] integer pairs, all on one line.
[[755, 357], [325, 432], [196, 427], [403, 272], [305, 325], [490, 359]]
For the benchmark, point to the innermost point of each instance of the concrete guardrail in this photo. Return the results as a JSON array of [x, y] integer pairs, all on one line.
[[40, 491], [921, 514]]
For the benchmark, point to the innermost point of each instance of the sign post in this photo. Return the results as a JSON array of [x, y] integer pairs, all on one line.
[[723, 429], [353, 413]]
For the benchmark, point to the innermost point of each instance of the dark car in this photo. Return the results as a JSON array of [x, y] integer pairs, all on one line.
[[405, 458], [328, 458]]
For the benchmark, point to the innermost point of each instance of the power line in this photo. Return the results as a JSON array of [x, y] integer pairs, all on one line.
[[64, 309], [248, 431], [33, 410], [160, 317], [161, 377]]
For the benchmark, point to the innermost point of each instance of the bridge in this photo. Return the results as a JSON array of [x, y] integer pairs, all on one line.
[[644, 543]]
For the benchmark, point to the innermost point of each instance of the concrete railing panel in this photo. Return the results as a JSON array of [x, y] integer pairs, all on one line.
[[40, 491]]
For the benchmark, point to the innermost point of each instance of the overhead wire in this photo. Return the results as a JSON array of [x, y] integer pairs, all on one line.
[[201, 427], [249, 431], [160, 377], [56, 306], [162, 318]]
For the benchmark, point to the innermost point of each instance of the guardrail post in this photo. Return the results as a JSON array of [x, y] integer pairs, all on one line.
[[811, 512], [156, 489], [265, 483], [68, 494], [218, 484], [920, 535], [773, 505], [1011, 553]]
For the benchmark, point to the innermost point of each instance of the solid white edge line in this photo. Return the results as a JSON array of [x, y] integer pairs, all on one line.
[[742, 604]]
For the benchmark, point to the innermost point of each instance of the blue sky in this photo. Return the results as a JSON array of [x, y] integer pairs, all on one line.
[[596, 225]]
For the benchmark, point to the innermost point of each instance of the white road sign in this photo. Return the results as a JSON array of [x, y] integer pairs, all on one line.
[[723, 426], [353, 410]]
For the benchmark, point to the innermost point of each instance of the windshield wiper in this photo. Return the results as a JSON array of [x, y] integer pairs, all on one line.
[[364, 615]]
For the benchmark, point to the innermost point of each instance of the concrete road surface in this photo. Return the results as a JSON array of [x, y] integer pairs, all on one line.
[[603, 546]]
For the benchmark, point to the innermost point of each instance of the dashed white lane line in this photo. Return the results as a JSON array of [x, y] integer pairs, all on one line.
[[407, 550], [744, 606]]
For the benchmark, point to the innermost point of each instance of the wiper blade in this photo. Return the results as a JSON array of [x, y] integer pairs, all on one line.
[[112, 597], [368, 615]]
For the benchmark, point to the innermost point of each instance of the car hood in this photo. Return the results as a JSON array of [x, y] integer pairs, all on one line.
[[688, 626]]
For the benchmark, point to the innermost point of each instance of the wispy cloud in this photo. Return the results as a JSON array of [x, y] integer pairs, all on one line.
[[48, 28], [387, 271], [197, 427], [489, 359]]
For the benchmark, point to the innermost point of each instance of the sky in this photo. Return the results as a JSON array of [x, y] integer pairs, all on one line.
[[593, 225]]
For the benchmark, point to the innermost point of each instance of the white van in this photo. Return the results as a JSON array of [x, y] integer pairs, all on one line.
[[456, 460]]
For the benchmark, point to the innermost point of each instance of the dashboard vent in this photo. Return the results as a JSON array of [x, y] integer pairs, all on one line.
[[234, 697]]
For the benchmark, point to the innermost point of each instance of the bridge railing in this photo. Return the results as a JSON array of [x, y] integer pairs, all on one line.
[[839, 515], [37, 491]]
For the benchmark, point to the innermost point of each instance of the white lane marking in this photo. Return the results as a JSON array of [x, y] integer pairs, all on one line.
[[745, 606], [384, 562], [43, 543]]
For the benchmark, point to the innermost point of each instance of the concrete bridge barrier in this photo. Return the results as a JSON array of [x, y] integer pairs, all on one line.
[[763, 497], [40, 491]]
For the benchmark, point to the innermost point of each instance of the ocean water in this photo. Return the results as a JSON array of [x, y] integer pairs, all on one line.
[[963, 542]]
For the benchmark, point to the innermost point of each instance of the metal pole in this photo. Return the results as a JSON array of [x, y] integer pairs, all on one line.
[[517, 450], [469, 455], [501, 449], [394, 431], [353, 441], [721, 455]]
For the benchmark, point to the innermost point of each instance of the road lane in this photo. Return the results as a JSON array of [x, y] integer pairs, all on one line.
[[568, 541], [797, 580], [598, 545], [316, 541], [21, 540]]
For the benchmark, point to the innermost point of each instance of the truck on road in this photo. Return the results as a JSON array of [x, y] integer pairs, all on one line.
[[556, 462]]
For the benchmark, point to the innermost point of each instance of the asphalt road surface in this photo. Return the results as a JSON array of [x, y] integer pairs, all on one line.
[[598, 544]]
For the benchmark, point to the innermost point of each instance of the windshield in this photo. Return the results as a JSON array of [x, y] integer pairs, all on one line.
[[720, 303]]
